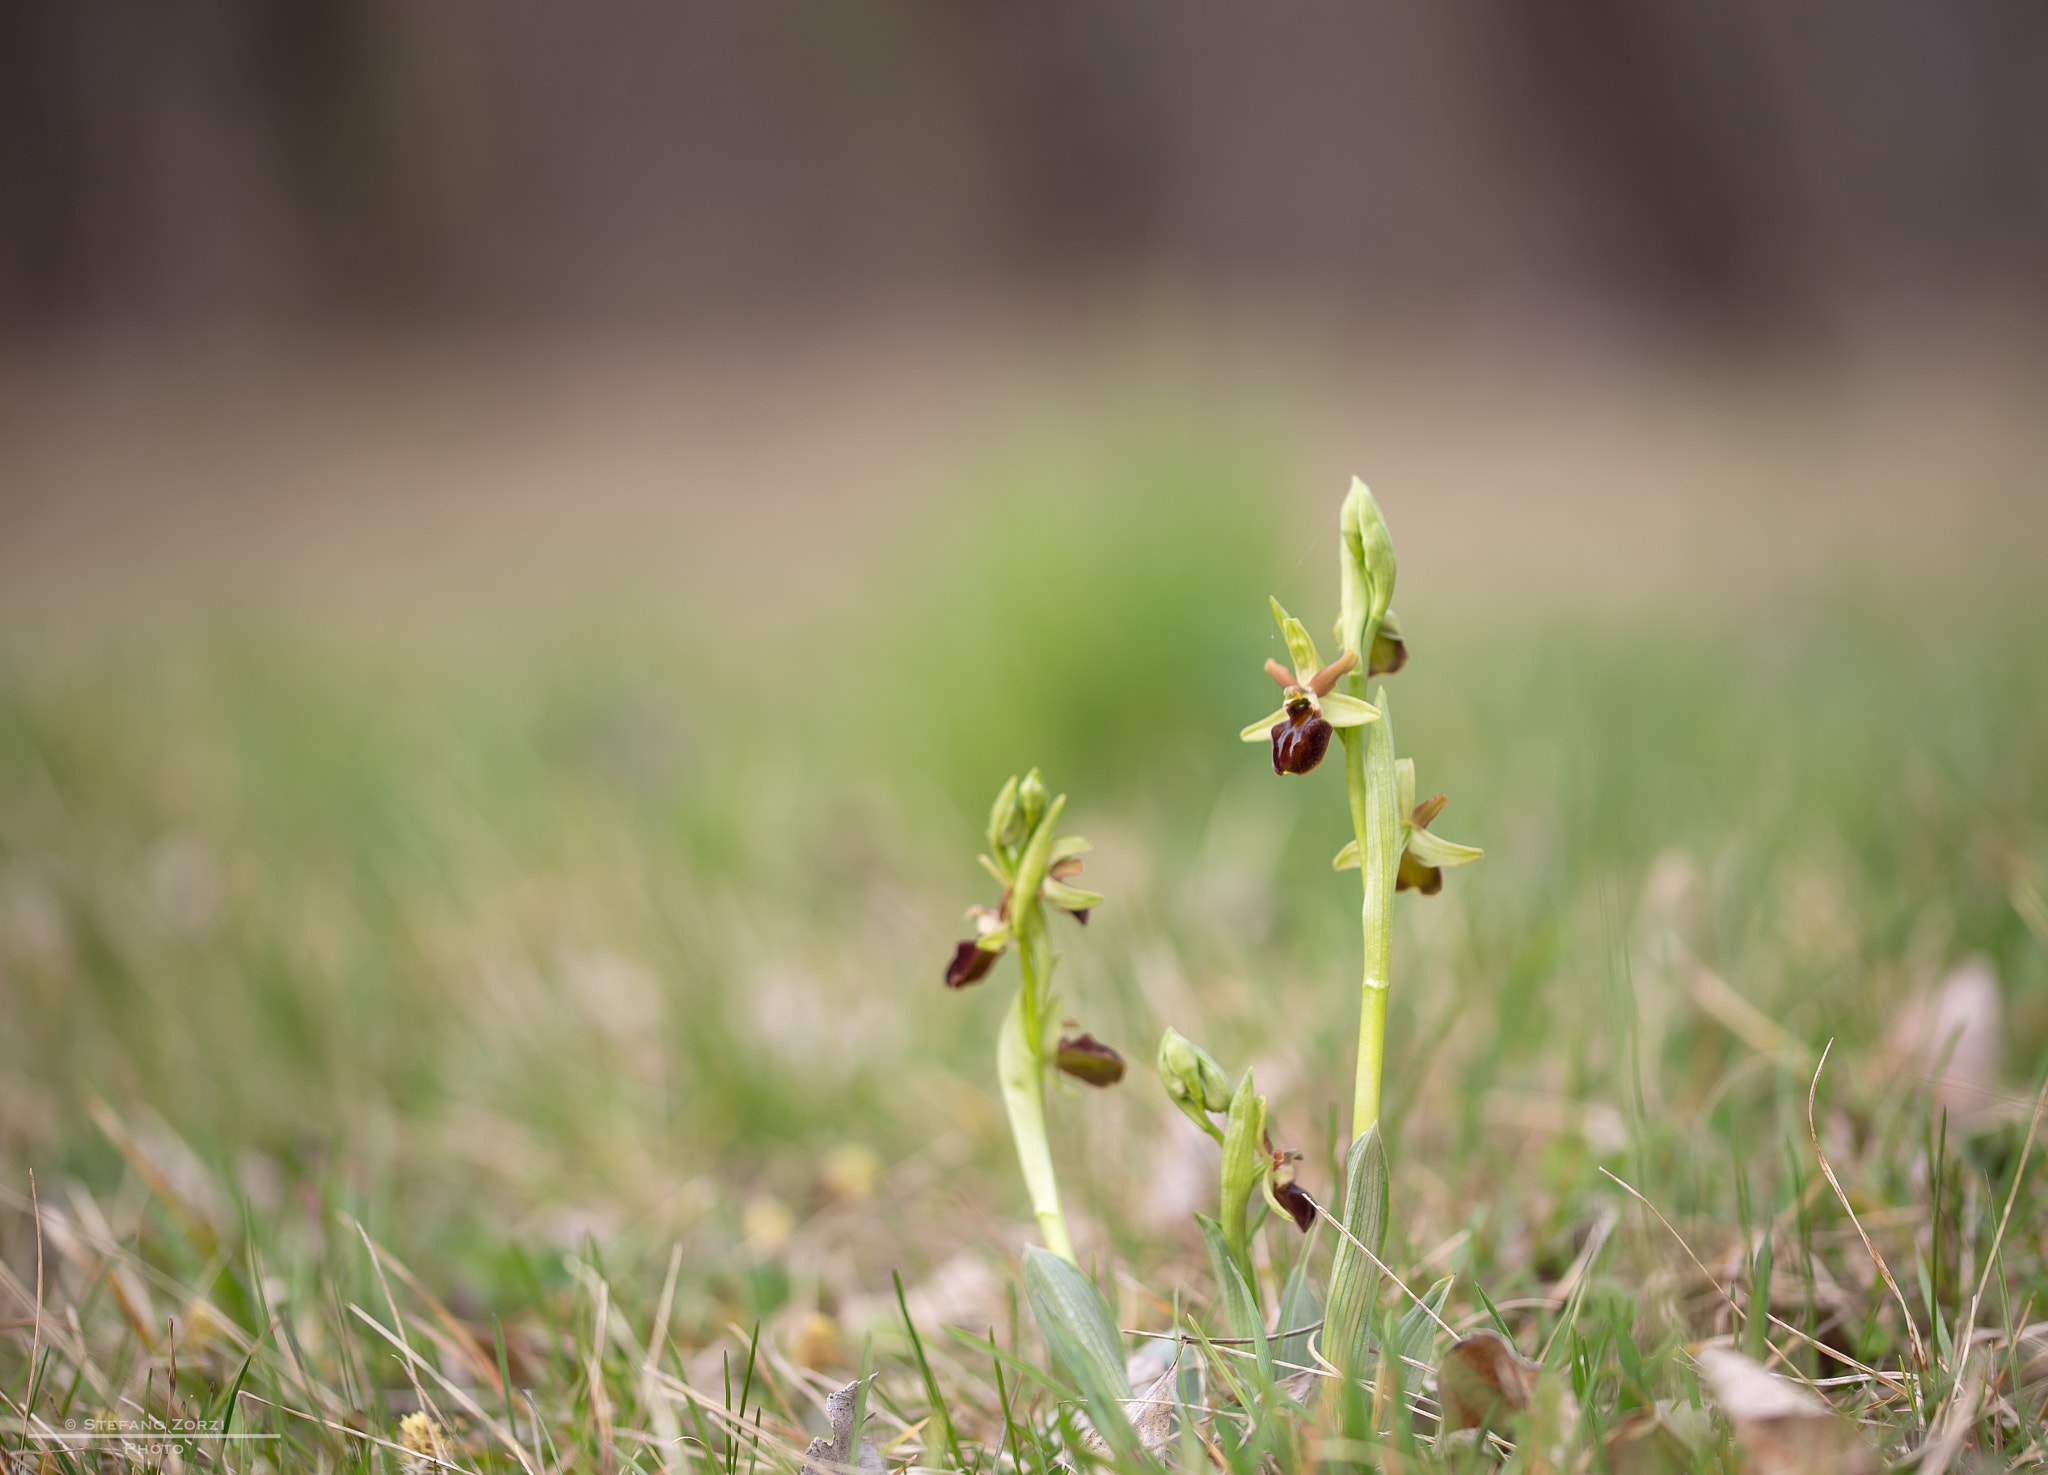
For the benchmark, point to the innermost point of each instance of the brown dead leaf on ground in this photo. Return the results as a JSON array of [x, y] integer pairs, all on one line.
[[1782, 1428]]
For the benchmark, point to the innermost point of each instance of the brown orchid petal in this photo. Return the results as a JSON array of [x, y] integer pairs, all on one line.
[[1061, 869], [1300, 1207], [1080, 914], [1428, 810], [1279, 672], [1087, 1059], [1300, 742], [1327, 678], [971, 962], [1415, 876]]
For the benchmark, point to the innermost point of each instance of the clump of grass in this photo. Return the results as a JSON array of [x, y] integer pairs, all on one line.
[[516, 959]]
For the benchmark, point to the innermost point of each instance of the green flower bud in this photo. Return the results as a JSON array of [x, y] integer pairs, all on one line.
[[1366, 567], [1193, 1079], [1005, 820], [1031, 797]]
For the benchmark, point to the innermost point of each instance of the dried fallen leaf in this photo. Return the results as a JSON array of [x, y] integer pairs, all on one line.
[[1951, 1037], [835, 1456], [1783, 1428], [1482, 1380]]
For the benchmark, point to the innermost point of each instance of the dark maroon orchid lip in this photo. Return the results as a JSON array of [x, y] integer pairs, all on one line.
[[970, 964], [1300, 1207], [1300, 741]]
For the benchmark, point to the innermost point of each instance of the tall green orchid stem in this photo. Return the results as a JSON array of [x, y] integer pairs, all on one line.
[[1033, 866], [1376, 821], [1366, 573], [1020, 1064]]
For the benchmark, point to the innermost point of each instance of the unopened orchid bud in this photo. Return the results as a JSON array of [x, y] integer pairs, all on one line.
[[1005, 819], [1366, 568], [1031, 797], [1193, 1079]]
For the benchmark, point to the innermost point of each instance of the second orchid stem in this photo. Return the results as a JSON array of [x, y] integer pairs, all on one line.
[[1370, 781], [1020, 1066]]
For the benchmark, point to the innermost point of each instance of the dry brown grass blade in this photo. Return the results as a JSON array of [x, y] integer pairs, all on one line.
[[413, 1362], [2019, 1174], [1722, 1291], [1912, 1331]]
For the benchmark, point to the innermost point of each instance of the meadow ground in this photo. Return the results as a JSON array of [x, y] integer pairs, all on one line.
[[537, 854]]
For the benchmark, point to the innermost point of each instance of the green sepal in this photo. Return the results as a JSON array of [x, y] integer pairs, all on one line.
[[1081, 1334], [1404, 793], [1301, 649], [1262, 730], [994, 867], [1068, 898], [1244, 1131], [1066, 848], [1342, 711], [1005, 824], [996, 941], [1434, 850], [1354, 1279], [1240, 1308], [1347, 858]]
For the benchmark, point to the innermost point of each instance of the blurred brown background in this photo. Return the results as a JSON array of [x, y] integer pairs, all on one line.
[[614, 263]]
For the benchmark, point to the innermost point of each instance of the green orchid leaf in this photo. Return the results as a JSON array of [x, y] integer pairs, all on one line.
[[1433, 850], [1262, 730], [1068, 898], [1342, 711], [1354, 1279], [1347, 858], [1244, 1132], [1240, 1307], [1298, 1308], [1414, 1337], [1005, 824], [1082, 1335]]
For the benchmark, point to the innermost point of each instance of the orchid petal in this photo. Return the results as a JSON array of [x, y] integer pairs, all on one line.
[[1068, 898], [1434, 850], [1261, 730], [1342, 711]]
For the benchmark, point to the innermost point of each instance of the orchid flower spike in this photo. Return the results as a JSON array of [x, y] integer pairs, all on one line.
[[1310, 704], [1022, 846]]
